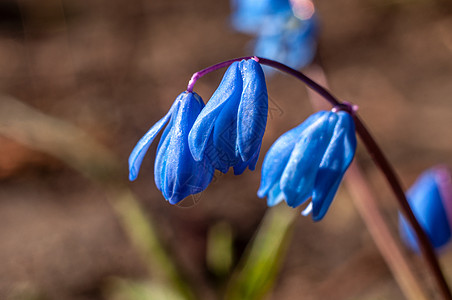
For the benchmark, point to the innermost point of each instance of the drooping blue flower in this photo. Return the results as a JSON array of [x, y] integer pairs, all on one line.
[[309, 161], [249, 15], [176, 174], [430, 198], [228, 132]]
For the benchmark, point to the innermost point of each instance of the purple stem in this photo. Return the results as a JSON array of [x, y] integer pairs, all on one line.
[[207, 70], [373, 149]]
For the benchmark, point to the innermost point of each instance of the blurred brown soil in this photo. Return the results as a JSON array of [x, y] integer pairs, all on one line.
[[113, 68]]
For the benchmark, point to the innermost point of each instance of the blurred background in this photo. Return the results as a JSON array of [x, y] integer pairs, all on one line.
[[82, 81]]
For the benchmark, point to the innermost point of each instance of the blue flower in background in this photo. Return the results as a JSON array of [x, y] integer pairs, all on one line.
[[309, 161], [430, 198], [176, 173], [249, 15], [228, 132], [285, 31], [290, 41]]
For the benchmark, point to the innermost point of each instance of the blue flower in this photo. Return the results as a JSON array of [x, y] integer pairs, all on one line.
[[228, 132], [249, 15], [176, 173], [309, 161], [289, 40], [430, 198], [285, 31]]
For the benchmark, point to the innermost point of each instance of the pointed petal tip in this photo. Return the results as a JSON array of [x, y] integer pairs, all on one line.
[[133, 174], [196, 152]]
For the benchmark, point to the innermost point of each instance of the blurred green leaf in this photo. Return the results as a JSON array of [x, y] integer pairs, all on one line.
[[122, 289], [262, 262], [219, 249]]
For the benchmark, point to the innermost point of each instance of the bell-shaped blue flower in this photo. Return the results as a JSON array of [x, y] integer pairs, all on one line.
[[430, 198], [176, 173], [228, 132], [309, 161]]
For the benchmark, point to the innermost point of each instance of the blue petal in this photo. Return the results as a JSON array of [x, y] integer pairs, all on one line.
[[337, 158], [181, 175], [248, 15], [138, 153], [224, 136], [275, 195], [253, 109], [426, 202], [277, 156], [228, 90], [240, 167], [161, 157], [298, 178]]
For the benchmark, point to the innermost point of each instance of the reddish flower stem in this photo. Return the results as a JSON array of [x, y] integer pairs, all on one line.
[[373, 149]]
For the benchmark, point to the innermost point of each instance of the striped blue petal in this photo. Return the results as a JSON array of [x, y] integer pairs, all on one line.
[[337, 157], [253, 109], [277, 156], [298, 178], [138, 153], [227, 93], [179, 174]]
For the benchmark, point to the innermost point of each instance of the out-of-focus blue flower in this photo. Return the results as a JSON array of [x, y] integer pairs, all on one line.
[[430, 198], [228, 132], [309, 161], [290, 40], [284, 30], [176, 173], [249, 15]]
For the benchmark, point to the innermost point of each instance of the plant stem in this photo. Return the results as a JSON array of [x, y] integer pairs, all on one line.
[[424, 243], [381, 161], [367, 207]]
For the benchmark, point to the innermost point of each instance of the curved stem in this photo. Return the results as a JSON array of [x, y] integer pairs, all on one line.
[[384, 165], [308, 81], [212, 68], [274, 64], [367, 206]]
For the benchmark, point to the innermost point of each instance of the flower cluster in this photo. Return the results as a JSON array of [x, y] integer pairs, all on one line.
[[308, 161], [199, 139], [430, 198], [284, 30]]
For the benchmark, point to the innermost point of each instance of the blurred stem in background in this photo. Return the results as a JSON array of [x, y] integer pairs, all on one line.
[[367, 207], [77, 149]]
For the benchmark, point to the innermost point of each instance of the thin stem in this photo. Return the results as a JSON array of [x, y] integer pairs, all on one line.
[[367, 207], [274, 64], [308, 81], [425, 245], [207, 70]]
